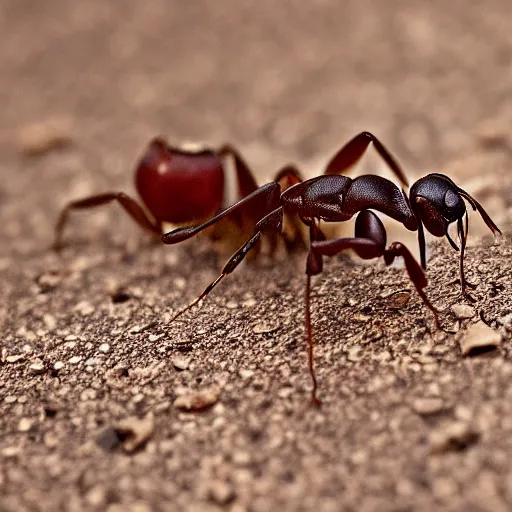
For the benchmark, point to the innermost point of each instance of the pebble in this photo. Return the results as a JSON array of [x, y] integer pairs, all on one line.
[[37, 367], [198, 400], [246, 373], [135, 432], [75, 359], [41, 137], [49, 321], [58, 365], [456, 436], [25, 424], [354, 354], [84, 308], [11, 451], [15, 358], [463, 311], [263, 328], [181, 363], [427, 406], [104, 347], [221, 493], [479, 337], [398, 300]]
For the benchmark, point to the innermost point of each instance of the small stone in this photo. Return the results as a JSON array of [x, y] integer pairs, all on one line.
[[354, 354], [135, 432], [399, 299], [84, 308], [427, 406], [25, 424], [246, 373], [49, 321], [58, 366], [11, 451], [463, 311], [37, 367], [479, 338], [181, 363], [75, 359], [15, 358], [249, 303], [104, 347], [50, 440], [456, 436], [96, 496], [221, 493], [41, 137], [263, 328], [198, 400], [10, 399], [49, 281]]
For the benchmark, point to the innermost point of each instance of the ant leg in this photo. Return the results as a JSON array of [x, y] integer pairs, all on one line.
[[416, 274], [353, 150], [422, 244], [265, 199], [462, 232], [293, 234], [271, 222], [291, 174], [244, 177], [313, 267], [127, 203], [369, 243]]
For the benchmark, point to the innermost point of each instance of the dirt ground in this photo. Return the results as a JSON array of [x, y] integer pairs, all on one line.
[[95, 380]]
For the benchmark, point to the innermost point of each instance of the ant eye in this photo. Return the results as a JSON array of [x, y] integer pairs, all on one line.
[[451, 199]]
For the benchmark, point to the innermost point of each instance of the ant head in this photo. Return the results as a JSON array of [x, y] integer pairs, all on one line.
[[437, 202]]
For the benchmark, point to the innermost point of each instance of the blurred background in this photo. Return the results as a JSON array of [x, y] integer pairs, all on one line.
[[84, 86], [285, 81]]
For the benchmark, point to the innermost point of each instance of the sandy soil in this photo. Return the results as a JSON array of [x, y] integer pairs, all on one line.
[[94, 379]]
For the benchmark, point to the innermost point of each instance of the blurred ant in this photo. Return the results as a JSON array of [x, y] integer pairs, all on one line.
[[180, 186]]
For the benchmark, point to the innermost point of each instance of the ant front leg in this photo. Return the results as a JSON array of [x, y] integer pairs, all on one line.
[[266, 198], [353, 150], [462, 231], [131, 207]]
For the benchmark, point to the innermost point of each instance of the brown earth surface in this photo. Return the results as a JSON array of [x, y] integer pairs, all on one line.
[[92, 374]]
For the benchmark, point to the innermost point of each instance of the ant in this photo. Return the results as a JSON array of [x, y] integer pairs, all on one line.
[[167, 179], [434, 202], [181, 186]]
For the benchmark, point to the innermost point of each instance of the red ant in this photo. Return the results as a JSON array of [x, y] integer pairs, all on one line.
[[179, 186]]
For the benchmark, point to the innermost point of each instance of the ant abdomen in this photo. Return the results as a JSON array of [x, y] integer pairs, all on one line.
[[180, 186]]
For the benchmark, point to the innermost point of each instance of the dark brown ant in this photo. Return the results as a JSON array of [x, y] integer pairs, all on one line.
[[180, 186], [330, 198], [435, 201]]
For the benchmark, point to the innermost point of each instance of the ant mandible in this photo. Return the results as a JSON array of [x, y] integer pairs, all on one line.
[[180, 186], [435, 201]]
